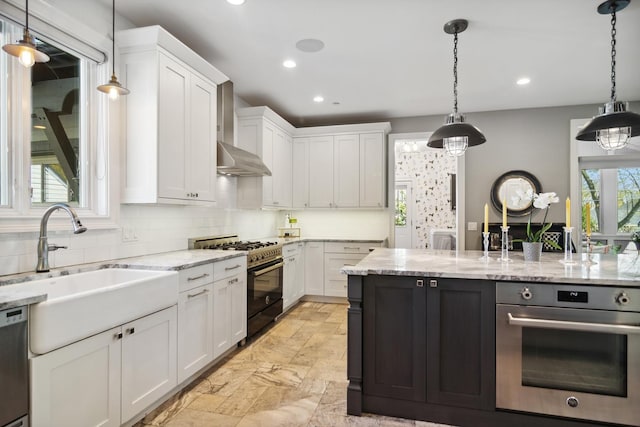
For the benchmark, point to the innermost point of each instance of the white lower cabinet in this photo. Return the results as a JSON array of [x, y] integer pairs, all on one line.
[[106, 379], [314, 268], [229, 304], [338, 255], [293, 274], [195, 330]]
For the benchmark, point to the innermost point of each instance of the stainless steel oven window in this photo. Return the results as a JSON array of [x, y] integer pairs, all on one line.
[[579, 361]]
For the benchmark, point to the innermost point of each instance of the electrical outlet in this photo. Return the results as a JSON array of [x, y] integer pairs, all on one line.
[[129, 234], [472, 226]]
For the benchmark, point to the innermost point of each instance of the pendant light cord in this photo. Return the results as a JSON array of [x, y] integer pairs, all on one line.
[[113, 38], [26, 24], [455, 73], [613, 56]]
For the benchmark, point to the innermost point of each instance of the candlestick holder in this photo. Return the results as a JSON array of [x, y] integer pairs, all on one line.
[[568, 253], [485, 244], [505, 244], [589, 261]]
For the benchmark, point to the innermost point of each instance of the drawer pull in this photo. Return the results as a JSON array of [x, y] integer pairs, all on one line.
[[348, 265], [232, 281], [232, 268], [202, 276], [351, 248], [204, 291]]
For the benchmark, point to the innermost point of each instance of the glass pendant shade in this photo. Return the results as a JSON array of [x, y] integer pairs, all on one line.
[[455, 146], [25, 50]]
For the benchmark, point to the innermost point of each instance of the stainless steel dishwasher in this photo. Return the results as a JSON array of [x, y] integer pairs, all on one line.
[[14, 369]]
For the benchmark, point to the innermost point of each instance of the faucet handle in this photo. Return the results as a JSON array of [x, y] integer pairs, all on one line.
[[54, 247]]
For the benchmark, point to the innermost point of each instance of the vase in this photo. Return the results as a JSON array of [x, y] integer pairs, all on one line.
[[532, 251]]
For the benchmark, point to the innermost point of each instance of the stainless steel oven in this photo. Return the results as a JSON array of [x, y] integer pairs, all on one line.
[[569, 351]]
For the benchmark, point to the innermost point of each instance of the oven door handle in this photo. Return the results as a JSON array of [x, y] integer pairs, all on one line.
[[268, 269], [573, 326]]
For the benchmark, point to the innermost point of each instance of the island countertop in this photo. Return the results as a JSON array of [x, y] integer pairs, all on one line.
[[615, 270]]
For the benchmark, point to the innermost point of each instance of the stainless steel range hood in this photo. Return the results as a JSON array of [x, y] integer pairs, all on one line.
[[231, 159]]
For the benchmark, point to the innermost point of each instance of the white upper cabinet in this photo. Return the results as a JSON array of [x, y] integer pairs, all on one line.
[[372, 170], [340, 166], [320, 171], [346, 171], [170, 150], [263, 132]]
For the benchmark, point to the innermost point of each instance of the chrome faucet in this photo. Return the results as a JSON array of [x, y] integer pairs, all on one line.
[[43, 245]]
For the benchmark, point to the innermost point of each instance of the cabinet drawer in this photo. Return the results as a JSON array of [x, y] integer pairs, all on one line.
[[195, 276], [229, 267], [290, 250], [349, 247]]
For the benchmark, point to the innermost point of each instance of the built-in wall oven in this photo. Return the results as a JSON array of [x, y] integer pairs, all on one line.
[[569, 351]]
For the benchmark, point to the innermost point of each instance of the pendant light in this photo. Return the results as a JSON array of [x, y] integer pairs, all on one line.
[[113, 88], [614, 125], [25, 50], [456, 135]]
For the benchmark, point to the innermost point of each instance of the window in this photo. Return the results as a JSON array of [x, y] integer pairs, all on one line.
[[55, 132], [614, 196], [54, 128], [401, 207]]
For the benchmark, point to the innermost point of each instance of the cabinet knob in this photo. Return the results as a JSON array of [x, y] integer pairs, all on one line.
[[131, 331], [420, 283], [117, 336], [433, 283], [526, 294]]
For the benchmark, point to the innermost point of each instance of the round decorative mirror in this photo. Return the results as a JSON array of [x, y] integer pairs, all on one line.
[[508, 187]]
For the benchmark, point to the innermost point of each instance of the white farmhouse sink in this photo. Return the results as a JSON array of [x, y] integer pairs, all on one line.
[[84, 304]]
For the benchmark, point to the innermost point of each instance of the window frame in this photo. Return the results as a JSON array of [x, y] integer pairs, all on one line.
[[99, 125], [588, 155]]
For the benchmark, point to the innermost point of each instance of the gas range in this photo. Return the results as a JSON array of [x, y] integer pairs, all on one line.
[[258, 253]]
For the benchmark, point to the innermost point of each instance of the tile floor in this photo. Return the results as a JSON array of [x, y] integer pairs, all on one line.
[[292, 375]]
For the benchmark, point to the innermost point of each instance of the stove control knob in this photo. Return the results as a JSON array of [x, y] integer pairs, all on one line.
[[573, 402], [622, 298], [526, 294]]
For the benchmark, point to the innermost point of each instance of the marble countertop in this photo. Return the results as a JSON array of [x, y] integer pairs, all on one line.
[[616, 270], [289, 240], [15, 290]]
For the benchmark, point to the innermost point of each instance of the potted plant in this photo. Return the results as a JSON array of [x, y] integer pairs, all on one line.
[[532, 243]]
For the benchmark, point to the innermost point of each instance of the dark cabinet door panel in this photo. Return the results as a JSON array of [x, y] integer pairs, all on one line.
[[394, 338], [461, 349]]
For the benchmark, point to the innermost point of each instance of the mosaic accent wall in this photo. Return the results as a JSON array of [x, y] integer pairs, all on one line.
[[430, 172]]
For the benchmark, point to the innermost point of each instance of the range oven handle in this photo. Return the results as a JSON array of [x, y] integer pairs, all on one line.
[[268, 269], [573, 326]]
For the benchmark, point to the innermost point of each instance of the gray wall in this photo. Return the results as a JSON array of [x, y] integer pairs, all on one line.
[[535, 140]]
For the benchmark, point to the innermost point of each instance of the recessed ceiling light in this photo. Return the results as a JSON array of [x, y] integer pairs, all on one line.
[[310, 45], [235, 2], [523, 81], [318, 98], [289, 63]]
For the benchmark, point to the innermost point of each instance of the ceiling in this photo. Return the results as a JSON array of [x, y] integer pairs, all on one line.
[[391, 58]]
